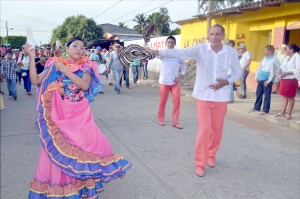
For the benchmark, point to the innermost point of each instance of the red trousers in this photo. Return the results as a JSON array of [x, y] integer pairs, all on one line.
[[210, 127], [164, 92]]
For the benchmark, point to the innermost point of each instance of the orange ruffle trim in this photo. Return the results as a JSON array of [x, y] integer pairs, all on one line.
[[66, 190], [62, 145]]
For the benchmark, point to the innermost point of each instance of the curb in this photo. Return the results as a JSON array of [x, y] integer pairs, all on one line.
[[295, 124]]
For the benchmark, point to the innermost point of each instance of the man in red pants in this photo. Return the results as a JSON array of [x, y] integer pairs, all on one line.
[[169, 82], [211, 91]]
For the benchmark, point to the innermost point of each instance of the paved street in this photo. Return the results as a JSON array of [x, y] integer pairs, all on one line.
[[257, 159]]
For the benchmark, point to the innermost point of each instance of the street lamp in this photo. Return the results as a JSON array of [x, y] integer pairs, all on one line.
[[6, 33]]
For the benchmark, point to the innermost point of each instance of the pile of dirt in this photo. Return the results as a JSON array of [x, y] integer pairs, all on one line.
[[189, 80]]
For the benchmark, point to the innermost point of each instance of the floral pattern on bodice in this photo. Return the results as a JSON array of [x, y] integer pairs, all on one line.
[[69, 91]]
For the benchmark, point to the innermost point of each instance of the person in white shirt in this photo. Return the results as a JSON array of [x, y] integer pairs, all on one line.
[[265, 76], [135, 68], [232, 87], [25, 62], [290, 77], [245, 62], [116, 66], [280, 53], [169, 82], [211, 89]]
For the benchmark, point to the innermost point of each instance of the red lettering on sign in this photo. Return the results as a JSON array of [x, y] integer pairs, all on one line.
[[241, 37], [186, 43]]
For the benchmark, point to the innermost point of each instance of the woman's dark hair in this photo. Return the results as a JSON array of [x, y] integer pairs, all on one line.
[[76, 38], [171, 37], [294, 47]]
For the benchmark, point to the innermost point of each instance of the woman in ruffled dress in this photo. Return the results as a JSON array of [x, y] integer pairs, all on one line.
[[75, 157]]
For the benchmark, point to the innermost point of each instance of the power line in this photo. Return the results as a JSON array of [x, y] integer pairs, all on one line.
[[132, 11], [107, 9], [151, 10], [20, 29]]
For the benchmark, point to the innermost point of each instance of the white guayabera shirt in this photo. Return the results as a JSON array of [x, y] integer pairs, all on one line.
[[210, 66], [169, 70]]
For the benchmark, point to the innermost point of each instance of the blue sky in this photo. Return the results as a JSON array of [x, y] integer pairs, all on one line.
[[43, 16]]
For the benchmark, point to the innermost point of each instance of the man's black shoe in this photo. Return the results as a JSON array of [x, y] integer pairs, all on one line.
[[242, 97]]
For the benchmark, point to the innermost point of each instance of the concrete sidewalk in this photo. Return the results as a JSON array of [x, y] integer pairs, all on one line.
[[243, 106]]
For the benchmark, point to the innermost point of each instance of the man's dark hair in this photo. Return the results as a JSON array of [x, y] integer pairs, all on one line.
[[219, 26], [232, 42], [171, 37], [270, 48], [74, 39]]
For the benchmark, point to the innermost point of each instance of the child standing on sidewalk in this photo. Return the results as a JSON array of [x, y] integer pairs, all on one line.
[[265, 76]]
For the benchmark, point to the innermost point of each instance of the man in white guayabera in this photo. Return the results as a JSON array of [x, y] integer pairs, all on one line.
[[211, 91]]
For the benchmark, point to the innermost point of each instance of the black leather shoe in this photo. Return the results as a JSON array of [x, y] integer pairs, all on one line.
[[242, 97]]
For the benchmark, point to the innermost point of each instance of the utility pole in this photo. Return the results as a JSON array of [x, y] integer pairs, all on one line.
[[208, 18], [6, 33]]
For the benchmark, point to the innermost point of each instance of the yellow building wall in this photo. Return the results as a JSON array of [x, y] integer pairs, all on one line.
[[292, 20], [242, 34], [268, 13], [192, 34], [230, 29], [255, 29]]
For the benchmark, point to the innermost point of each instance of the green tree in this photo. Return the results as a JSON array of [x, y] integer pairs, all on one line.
[[176, 31], [77, 26], [215, 5], [15, 41], [142, 21], [162, 20], [122, 25]]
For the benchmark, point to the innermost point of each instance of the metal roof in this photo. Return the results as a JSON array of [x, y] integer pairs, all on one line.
[[117, 30], [254, 6]]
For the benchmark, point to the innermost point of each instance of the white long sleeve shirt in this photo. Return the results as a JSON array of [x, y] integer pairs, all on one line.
[[210, 66], [244, 60], [270, 65], [26, 62], [291, 64], [170, 70]]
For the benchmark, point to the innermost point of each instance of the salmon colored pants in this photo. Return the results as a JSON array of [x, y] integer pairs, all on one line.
[[164, 92], [210, 127]]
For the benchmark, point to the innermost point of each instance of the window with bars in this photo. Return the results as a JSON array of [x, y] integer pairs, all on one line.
[[258, 41]]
